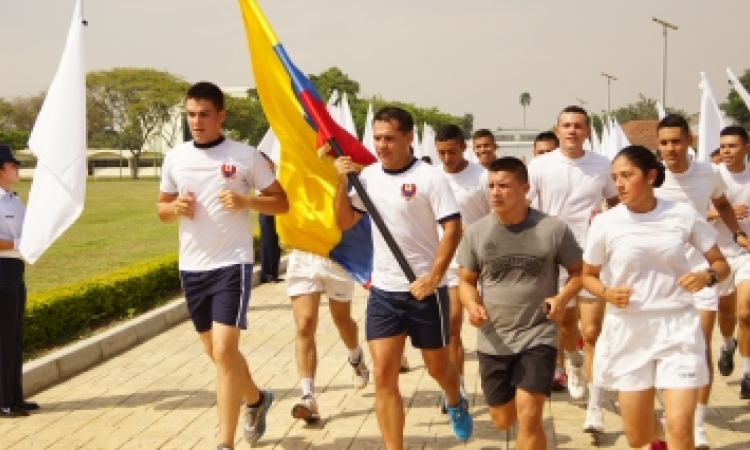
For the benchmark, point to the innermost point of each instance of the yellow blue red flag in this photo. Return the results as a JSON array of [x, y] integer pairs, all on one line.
[[302, 125]]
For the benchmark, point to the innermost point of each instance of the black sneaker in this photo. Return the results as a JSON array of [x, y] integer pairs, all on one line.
[[726, 360], [745, 387]]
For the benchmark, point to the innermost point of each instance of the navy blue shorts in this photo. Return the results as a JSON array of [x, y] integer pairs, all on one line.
[[219, 295], [426, 322]]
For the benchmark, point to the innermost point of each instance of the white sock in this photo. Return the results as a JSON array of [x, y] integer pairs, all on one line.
[[745, 366], [462, 387], [700, 414], [595, 396], [355, 355], [307, 386], [559, 371], [575, 358], [729, 344]]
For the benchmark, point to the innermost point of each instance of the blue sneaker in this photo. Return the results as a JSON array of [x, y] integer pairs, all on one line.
[[461, 420], [255, 418]]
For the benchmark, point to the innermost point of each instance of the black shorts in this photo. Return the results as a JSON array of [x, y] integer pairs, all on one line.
[[425, 321], [531, 370], [219, 295]]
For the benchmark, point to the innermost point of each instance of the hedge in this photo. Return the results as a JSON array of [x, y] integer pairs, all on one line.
[[60, 314]]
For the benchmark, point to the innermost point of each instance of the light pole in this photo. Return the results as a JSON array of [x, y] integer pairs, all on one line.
[[581, 101], [666, 26], [609, 83]]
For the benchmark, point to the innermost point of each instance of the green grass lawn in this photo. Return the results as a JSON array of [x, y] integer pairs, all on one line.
[[118, 227]]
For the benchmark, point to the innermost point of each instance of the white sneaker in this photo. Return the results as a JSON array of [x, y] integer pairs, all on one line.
[[306, 409], [576, 381], [701, 438], [404, 364], [594, 420], [361, 375]]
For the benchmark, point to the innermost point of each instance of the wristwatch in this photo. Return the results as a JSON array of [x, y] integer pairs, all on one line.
[[714, 277], [739, 233]]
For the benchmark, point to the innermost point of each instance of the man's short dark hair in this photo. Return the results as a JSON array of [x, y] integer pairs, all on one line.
[[483, 133], [547, 136], [204, 90], [450, 132], [736, 130], [675, 121], [401, 116], [575, 110], [513, 165], [715, 153]]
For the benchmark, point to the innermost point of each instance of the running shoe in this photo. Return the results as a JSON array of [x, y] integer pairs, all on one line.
[[594, 420], [726, 360], [701, 438], [306, 409], [658, 445], [404, 364], [255, 418], [442, 403], [745, 387], [576, 381], [361, 374], [461, 420], [560, 383]]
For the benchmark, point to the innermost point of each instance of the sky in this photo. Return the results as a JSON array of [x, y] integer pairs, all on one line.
[[468, 56]]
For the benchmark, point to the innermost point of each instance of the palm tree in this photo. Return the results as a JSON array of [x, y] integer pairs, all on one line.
[[525, 101]]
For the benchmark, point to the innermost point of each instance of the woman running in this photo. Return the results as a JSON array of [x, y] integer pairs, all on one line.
[[651, 337]]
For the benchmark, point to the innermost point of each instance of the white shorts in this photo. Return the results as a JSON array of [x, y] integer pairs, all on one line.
[[307, 273], [651, 349], [739, 267], [451, 276], [707, 299]]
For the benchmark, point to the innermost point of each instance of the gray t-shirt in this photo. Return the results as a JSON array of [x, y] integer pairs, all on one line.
[[518, 269]]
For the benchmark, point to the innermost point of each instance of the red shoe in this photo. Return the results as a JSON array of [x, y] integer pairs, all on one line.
[[658, 445], [560, 383]]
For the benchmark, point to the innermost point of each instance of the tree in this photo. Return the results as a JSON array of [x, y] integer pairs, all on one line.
[[20, 113], [735, 107], [525, 101], [135, 104], [334, 79], [246, 120], [643, 109], [467, 125]]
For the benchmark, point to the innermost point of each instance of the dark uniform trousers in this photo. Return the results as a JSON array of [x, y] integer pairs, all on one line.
[[270, 252], [12, 307]]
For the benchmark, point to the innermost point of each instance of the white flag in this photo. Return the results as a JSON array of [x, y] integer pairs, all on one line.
[[429, 148], [271, 146], [596, 146], [368, 138], [711, 123], [59, 142], [660, 109], [606, 141], [737, 86], [346, 117], [622, 140], [415, 143]]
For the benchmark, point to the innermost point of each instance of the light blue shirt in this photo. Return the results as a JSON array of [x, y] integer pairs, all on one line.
[[12, 214]]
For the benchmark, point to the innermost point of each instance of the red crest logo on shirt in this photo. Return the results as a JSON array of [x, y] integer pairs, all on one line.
[[228, 171], [408, 190]]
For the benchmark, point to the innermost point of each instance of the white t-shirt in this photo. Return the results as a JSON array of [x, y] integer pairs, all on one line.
[[738, 193], [411, 202], [215, 237], [469, 186], [570, 189], [646, 252], [696, 186]]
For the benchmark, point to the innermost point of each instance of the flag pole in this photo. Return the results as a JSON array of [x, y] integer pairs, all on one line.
[[376, 217]]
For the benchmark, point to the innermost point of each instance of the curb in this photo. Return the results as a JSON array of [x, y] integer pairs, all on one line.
[[49, 370]]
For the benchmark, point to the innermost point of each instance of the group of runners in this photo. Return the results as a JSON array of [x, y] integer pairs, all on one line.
[[632, 257]]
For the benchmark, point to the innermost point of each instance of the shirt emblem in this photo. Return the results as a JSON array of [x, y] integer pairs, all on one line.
[[408, 190], [228, 171]]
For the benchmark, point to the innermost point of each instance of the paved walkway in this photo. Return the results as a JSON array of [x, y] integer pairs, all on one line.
[[161, 395]]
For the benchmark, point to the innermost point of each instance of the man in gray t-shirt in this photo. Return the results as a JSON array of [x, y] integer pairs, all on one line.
[[515, 252]]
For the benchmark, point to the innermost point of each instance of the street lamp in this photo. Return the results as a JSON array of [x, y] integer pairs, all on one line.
[[581, 101], [666, 26], [609, 83]]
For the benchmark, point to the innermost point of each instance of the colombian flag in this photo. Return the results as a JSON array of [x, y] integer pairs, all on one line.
[[302, 124]]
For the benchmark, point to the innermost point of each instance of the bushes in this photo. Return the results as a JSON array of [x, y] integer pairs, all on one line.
[[62, 313]]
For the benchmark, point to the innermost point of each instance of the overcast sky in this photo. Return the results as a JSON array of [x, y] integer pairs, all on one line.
[[461, 56]]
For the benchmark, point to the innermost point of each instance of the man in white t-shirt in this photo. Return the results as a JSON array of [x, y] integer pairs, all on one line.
[[545, 142], [206, 185], [699, 185], [570, 184], [468, 182], [734, 301], [411, 197], [485, 147]]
